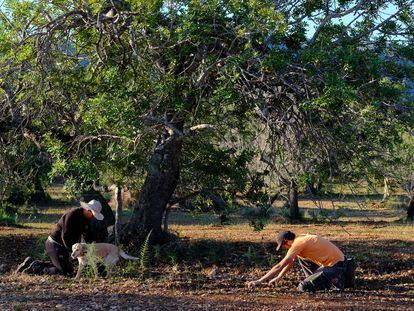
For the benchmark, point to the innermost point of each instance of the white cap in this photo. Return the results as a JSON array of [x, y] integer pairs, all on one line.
[[95, 207]]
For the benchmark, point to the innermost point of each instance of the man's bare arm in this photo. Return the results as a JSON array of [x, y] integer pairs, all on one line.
[[280, 267], [283, 272]]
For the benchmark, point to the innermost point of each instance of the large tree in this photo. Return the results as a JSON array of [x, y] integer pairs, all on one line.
[[130, 84], [117, 79]]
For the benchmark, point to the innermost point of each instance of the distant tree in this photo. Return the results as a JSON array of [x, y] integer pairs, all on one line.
[[337, 106]]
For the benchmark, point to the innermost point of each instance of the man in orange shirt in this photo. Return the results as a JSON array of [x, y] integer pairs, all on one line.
[[322, 262]]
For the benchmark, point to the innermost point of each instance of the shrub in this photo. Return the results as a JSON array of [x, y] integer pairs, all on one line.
[[259, 216], [8, 214]]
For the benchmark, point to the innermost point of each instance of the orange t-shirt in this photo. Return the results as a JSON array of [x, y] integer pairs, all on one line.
[[316, 249]]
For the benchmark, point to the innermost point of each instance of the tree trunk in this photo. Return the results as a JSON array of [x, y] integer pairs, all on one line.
[[319, 186], [386, 189], [117, 228], [293, 200], [159, 186], [410, 210], [166, 218], [273, 198], [39, 195], [310, 185]]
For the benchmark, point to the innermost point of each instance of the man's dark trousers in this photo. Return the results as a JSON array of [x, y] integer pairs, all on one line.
[[321, 278]]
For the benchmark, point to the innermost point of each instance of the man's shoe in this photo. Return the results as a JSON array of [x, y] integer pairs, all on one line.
[[35, 267], [25, 264], [339, 283]]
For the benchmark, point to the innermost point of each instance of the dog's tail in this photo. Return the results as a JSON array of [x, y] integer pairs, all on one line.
[[126, 256]]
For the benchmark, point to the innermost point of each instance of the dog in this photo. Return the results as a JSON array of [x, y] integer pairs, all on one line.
[[108, 252]]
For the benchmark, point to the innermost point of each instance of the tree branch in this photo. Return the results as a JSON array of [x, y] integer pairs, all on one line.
[[330, 16]]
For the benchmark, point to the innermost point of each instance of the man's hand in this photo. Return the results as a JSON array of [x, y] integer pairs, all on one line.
[[252, 284], [272, 282]]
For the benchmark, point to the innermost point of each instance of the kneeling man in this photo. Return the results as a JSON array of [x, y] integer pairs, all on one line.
[[322, 262]]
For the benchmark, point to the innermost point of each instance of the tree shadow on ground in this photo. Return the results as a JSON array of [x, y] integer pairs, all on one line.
[[350, 197], [381, 263], [136, 296]]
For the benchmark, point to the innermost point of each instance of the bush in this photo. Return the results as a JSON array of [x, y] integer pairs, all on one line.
[[8, 214], [259, 216], [285, 212]]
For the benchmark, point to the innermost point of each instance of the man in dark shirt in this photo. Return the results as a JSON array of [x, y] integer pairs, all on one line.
[[68, 231]]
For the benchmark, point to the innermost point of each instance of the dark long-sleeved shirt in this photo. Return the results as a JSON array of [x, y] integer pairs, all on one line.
[[70, 228]]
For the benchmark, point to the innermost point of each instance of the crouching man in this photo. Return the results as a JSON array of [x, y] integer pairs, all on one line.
[[322, 262], [68, 231]]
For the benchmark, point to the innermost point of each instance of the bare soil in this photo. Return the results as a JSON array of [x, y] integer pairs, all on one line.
[[208, 269], [385, 282]]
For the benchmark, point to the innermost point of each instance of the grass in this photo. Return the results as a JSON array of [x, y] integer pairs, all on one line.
[[347, 211]]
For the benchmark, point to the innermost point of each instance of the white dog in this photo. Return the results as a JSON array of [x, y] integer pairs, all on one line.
[[108, 252]]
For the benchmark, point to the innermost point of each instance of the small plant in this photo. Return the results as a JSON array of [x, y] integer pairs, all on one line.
[[285, 212], [270, 258], [145, 253], [8, 220], [131, 267], [313, 215], [39, 248], [157, 252], [251, 255], [30, 210], [212, 256], [172, 257], [95, 264], [224, 218], [259, 216], [258, 224], [8, 214]]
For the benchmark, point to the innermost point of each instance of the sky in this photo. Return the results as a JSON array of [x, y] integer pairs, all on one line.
[[391, 9]]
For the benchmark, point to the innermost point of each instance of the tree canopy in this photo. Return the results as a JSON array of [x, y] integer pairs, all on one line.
[[156, 93]]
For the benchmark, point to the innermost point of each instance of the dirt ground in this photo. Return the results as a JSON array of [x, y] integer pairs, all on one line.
[[211, 272]]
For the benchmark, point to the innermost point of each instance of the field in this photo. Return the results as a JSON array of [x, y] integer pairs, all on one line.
[[206, 269]]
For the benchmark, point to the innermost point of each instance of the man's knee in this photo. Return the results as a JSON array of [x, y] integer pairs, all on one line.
[[306, 287], [315, 282]]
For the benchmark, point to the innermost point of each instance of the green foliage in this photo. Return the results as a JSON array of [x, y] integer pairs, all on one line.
[[131, 268], [217, 173], [251, 255], [8, 214], [145, 255], [172, 257], [259, 216], [157, 252], [97, 96], [270, 257], [38, 251], [286, 214], [94, 262], [24, 170], [318, 215]]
